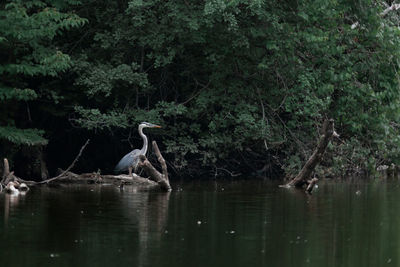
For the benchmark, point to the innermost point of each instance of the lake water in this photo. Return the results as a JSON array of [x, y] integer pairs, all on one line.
[[243, 223]]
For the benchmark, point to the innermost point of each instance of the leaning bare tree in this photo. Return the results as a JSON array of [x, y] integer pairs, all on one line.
[[302, 178]]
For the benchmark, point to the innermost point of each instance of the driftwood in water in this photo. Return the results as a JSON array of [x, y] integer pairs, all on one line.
[[155, 179], [301, 178]]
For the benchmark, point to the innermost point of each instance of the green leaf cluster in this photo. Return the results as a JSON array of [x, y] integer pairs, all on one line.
[[17, 136], [27, 32]]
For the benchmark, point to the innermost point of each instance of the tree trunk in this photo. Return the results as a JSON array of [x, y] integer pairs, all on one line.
[[301, 178]]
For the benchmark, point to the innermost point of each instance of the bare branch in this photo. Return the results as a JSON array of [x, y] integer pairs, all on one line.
[[70, 166], [382, 14], [161, 160], [300, 180], [156, 176], [387, 10]]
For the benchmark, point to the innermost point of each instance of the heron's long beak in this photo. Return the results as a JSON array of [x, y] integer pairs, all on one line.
[[157, 126]]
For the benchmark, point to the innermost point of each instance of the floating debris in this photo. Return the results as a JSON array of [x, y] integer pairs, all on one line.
[[11, 188], [23, 187], [198, 222], [16, 188]]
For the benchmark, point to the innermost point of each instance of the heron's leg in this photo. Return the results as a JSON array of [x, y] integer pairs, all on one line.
[[130, 171], [136, 168]]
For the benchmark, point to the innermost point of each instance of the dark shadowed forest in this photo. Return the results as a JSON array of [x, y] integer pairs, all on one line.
[[239, 86]]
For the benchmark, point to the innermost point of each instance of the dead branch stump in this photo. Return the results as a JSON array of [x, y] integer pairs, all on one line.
[[6, 170], [7, 175], [160, 178], [301, 178]]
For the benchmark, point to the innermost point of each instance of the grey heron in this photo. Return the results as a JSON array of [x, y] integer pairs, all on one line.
[[131, 160]]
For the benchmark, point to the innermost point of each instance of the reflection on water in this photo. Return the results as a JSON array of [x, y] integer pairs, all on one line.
[[203, 224], [10, 202]]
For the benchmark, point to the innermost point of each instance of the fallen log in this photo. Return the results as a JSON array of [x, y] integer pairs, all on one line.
[[300, 180], [155, 179]]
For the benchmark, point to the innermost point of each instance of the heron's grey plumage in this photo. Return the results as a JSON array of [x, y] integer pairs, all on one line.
[[131, 159]]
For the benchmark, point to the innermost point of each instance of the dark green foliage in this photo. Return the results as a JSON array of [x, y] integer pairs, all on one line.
[[236, 84], [27, 31], [23, 136]]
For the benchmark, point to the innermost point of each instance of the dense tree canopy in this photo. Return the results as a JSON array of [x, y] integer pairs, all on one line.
[[238, 85]]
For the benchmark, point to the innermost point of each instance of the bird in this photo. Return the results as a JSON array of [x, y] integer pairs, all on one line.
[[131, 160]]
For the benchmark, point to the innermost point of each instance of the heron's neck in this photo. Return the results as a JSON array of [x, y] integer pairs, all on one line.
[[144, 148]]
